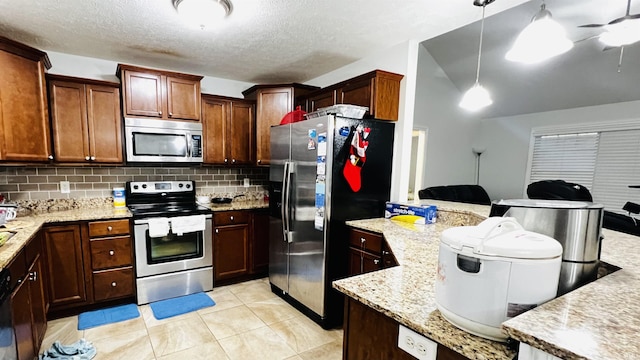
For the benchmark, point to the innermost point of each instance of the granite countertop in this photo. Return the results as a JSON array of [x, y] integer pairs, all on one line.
[[597, 321], [26, 226]]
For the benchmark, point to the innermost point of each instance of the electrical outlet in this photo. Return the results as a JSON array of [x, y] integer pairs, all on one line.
[[65, 187], [247, 182], [417, 345]]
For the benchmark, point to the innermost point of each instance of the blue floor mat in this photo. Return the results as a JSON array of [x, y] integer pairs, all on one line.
[[181, 305], [110, 315]]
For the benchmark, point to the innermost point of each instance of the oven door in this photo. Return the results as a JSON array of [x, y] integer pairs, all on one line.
[[171, 253]]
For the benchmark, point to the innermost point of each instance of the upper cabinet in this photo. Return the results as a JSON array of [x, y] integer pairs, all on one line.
[[86, 120], [272, 103], [24, 118], [378, 90], [159, 94], [229, 127]]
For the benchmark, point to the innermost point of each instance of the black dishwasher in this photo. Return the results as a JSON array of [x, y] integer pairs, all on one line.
[[7, 338]]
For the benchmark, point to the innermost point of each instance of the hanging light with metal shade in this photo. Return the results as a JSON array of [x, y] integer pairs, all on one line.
[[542, 39], [477, 97], [203, 13]]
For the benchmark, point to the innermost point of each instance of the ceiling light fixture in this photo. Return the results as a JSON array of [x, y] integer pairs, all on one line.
[[203, 13], [625, 32], [477, 97], [542, 39]]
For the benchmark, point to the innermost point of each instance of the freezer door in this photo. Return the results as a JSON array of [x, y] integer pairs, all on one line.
[[278, 243], [307, 244]]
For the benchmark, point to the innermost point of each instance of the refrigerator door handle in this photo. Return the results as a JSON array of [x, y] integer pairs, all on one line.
[[284, 207], [287, 204]]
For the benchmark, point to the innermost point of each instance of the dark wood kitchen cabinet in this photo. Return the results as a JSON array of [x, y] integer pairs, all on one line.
[[86, 120], [272, 103], [231, 244], [321, 99], [159, 94], [28, 300], [65, 266], [24, 117], [229, 127], [368, 252]]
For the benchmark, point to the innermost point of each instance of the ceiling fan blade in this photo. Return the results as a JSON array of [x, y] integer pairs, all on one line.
[[591, 25], [607, 48]]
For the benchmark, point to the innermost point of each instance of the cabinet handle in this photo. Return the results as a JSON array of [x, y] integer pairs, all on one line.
[[233, 161], [50, 157], [231, 217], [111, 252], [113, 284], [33, 276], [93, 158], [226, 160], [109, 228], [376, 261], [216, 231], [86, 158], [385, 252]]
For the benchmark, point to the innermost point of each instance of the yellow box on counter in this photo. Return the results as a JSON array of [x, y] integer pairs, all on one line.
[[415, 214]]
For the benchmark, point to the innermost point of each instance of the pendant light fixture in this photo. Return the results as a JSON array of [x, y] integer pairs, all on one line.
[[203, 13], [477, 97], [542, 39]]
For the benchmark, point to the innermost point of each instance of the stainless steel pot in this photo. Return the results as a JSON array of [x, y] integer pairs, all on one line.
[[576, 225]]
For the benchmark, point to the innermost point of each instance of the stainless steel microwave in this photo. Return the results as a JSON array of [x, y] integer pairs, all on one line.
[[151, 140]]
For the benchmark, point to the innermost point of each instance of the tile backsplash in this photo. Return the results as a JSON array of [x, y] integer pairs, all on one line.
[[40, 183]]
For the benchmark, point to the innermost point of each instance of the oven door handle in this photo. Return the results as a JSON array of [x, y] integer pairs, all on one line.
[[146, 220]]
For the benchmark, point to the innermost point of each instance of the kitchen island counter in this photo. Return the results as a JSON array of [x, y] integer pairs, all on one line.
[[598, 321]]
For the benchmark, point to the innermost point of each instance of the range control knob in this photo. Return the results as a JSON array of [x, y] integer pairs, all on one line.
[[144, 186], [188, 186], [180, 185], [135, 187]]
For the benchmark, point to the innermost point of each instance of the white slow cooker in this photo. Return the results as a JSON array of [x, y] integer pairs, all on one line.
[[492, 272]]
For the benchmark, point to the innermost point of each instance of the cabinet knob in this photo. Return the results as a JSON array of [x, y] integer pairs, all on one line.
[[93, 158], [216, 231], [160, 113], [231, 217], [170, 114], [111, 252], [86, 158], [50, 157], [113, 284], [259, 161], [363, 240], [109, 228], [33, 276], [226, 160], [385, 252], [233, 161], [376, 261]]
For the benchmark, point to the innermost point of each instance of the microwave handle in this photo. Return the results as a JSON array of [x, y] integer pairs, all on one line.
[[189, 145]]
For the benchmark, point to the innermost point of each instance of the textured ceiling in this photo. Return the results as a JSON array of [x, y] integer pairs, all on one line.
[[262, 41], [584, 76]]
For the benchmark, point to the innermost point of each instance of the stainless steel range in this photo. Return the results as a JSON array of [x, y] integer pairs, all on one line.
[[172, 240]]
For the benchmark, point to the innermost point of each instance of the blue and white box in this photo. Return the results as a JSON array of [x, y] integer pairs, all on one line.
[[415, 214]]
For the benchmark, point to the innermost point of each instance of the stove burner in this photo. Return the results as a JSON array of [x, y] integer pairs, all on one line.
[[163, 199]]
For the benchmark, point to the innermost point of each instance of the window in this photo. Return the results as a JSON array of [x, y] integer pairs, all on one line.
[[606, 161]]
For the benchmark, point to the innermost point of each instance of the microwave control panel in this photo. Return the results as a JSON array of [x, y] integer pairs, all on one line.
[[196, 140]]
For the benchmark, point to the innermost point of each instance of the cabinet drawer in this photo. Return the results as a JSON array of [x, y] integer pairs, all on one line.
[[364, 240], [230, 218], [109, 228], [111, 284], [111, 252]]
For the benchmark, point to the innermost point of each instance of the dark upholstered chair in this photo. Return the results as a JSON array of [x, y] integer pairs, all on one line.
[[470, 194]]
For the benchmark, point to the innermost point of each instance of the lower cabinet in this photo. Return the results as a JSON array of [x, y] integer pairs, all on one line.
[[240, 245], [368, 252], [28, 300], [369, 334]]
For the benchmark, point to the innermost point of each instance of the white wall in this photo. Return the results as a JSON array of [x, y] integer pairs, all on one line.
[[451, 130], [400, 59], [504, 164], [92, 68]]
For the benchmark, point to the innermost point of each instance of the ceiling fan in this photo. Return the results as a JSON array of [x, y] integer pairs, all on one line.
[[619, 32]]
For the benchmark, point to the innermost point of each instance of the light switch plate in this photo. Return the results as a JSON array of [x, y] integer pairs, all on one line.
[[65, 188], [417, 345], [247, 182]]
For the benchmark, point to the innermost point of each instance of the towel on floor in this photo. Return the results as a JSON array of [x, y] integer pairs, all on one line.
[[187, 224], [80, 350], [158, 227]]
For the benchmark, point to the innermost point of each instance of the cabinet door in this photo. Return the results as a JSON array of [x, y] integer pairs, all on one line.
[[143, 94], [324, 99], [230, 251], [105, 124], [272, 105], [22, 322], [183, 99], [69, 121], [24, 118], [361, 262], [241, 132], [357, 93], [260, 243], [38, 301], [215, 114], [65, 276]]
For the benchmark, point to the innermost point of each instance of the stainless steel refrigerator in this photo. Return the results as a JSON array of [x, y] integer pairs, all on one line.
[[324, 171]]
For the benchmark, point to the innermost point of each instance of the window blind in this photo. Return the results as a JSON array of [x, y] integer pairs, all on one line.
[[568, 157], [617, 167]]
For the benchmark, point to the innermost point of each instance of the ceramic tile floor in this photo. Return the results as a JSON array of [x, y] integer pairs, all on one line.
[[247, 322]]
